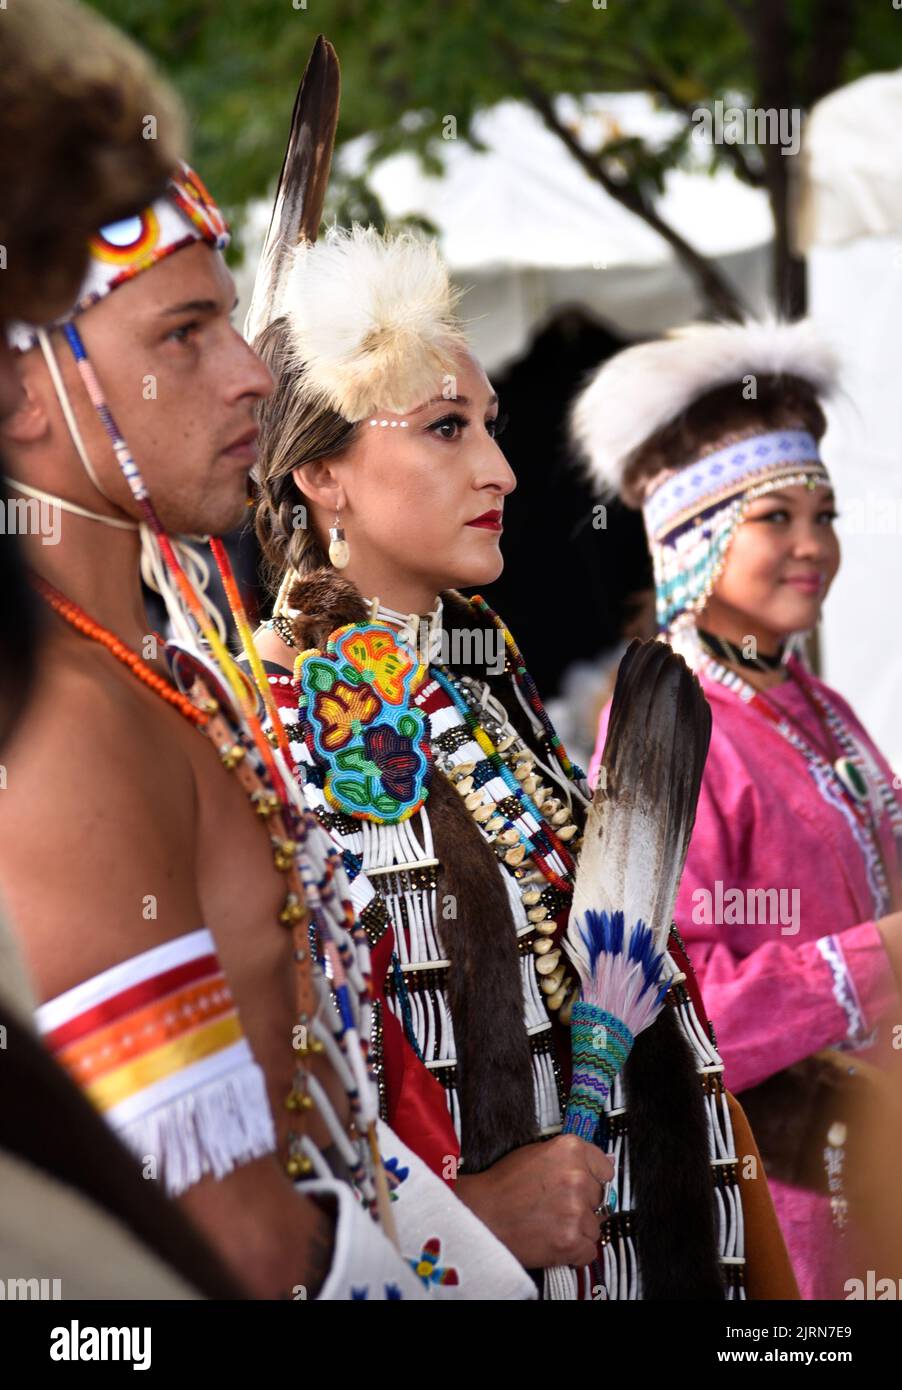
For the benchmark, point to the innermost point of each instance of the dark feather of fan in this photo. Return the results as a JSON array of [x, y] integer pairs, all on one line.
[[634, 847]]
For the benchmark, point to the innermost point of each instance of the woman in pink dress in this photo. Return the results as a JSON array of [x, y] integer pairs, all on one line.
[[789, 903]]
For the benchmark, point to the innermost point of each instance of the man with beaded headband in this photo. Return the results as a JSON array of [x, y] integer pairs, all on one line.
[[425, 751], [791, 892], [203, 910], [74, 100]]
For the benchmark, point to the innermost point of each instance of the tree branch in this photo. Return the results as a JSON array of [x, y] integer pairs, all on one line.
[[716, 291], [651, 76], [777, 91], [836, 30]]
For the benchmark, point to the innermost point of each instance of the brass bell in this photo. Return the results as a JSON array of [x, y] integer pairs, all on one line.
[[232, 756]]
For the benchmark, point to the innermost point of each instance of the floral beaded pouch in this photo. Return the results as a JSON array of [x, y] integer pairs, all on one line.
[[360, 723]]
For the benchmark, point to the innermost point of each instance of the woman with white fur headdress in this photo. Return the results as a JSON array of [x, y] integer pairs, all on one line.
[[791, 893], [425, 751]]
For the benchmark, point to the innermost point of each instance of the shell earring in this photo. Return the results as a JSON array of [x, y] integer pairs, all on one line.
[[339, 550]]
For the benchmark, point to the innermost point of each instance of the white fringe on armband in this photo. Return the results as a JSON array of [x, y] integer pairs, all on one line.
[[157, 1046]]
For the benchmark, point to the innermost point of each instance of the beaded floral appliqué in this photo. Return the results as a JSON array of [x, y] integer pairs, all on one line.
[[360, 724]]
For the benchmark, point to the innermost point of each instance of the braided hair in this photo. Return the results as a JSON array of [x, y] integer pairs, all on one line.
[[292, 433]]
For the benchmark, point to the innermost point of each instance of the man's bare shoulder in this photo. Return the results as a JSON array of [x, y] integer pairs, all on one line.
[[96, 821], [91, 727]]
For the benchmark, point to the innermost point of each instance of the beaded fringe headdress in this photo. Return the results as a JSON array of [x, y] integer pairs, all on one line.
[[692, 506]]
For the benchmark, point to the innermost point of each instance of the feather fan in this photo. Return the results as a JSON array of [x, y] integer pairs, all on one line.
[[634, 847]]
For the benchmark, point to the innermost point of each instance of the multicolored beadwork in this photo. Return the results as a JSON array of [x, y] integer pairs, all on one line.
[[600, 1044], [533, 846], [525, 682], [356, 700]]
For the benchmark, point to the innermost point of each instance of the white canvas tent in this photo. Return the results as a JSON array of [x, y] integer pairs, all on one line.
[[850, 227], [526, 229]]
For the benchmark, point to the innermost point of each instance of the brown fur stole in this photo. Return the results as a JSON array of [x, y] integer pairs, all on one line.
[[674, 1208]]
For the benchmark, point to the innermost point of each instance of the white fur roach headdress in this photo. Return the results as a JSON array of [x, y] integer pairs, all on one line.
[[372, 319], [644, 388]]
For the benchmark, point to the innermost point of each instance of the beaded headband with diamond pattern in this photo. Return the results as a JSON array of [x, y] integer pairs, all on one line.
[[691, 517]]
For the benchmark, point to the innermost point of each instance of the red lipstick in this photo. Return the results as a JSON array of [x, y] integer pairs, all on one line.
[[489, 521]]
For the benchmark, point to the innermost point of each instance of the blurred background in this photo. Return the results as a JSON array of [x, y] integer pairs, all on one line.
[[598, 171]]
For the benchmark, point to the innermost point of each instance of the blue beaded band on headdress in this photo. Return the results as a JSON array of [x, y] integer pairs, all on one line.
[[721, 475], [691, 518]]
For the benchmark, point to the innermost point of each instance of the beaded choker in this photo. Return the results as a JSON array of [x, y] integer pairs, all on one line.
[[729, 651]]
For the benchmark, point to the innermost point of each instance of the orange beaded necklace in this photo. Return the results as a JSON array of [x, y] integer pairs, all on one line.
[[78, 618]]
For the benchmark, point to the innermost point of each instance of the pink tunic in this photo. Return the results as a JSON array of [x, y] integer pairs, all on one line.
[[814, 972]]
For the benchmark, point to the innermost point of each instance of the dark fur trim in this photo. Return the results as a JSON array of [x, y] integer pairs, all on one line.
[[673, 1220], [326, 601], [494, 1059]]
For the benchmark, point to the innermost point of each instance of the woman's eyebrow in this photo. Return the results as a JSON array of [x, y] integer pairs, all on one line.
[[453, 400], [782, 497]]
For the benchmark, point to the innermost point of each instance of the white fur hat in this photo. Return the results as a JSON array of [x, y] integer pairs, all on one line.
[[642, 389], [372, 319]]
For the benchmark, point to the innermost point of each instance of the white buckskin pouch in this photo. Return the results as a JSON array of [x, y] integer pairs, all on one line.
[[452, 1252], [365, 1264]]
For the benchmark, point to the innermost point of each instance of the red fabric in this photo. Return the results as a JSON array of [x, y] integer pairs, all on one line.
[[690, 984], [130, 999], [417, 1109]]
